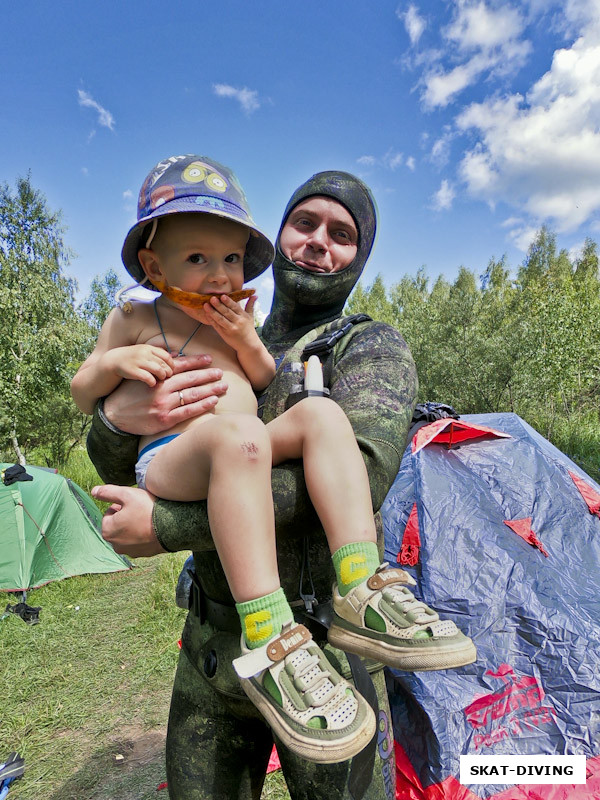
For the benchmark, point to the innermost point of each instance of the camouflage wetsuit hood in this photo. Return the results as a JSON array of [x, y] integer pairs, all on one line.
[[303, 299]]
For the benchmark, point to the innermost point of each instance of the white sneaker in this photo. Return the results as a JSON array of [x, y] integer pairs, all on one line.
[[315, 712], [411, 636]]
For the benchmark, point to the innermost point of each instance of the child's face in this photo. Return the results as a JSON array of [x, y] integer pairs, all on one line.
[[198, 253]]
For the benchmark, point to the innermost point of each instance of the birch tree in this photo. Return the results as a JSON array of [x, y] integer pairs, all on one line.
[[40, 333]]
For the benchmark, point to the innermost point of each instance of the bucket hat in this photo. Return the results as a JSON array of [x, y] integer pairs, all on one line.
[[194, 184]]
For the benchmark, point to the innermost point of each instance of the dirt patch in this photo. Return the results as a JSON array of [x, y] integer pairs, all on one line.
[[130, 766], [135, 748]]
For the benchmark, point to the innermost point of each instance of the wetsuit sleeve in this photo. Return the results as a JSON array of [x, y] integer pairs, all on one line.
[[112, 452], [375, 382], [184, 526]]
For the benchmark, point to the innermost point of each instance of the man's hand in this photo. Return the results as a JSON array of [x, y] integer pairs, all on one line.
[[136, 408], [139, 362], [127, 525]]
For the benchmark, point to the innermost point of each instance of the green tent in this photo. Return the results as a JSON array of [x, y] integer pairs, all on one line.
[[50, 530]]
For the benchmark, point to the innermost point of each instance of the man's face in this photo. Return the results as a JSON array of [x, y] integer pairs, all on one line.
[[319, 235]]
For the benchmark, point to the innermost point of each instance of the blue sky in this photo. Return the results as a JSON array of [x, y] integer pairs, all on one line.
[[473, 121]]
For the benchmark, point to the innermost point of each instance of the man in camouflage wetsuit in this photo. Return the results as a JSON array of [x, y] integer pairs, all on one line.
[[218, 746]]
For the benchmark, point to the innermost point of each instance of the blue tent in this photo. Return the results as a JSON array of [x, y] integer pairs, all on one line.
[[502, 533]]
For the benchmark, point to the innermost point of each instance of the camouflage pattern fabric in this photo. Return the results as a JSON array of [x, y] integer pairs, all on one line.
[[374, 381], [218, 745]]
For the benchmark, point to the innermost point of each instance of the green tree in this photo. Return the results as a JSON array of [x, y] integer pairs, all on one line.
[[501, 339], [41, 336], [586, 266], [541, 259], [100, 300], [530, 345]]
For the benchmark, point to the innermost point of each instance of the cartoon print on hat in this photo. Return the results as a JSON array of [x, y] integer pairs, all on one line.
[[194, 172], [192, 183], [161, 195], [198, 171], [216, 182]]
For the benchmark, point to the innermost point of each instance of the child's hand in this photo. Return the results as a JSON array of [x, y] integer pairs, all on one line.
[[234, 324], [139, 362]]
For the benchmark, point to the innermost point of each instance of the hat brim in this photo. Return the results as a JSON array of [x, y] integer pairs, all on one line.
[[259, 250]]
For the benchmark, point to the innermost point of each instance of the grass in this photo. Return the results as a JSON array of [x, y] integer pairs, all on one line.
[[79, 682], [577, 435], [92, 682]]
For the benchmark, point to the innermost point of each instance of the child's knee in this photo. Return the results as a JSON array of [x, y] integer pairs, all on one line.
[[243, 436], [319, 411]]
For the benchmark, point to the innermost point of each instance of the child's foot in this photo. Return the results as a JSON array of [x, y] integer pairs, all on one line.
[[313, 710], [381, 619]]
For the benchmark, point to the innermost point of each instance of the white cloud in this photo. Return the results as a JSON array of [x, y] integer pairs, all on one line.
[[129, 203], [259, 315], [247, 98], [541, 152], [440, 150], [536, 151], [479, 27], [576, 251], [410, 163], [582, 12], [413, 22], [441, 87], [522, 236], [105, 118], [442, 200], [484, 40], [478, 171], [511, 222], [392, 160], [267, 283], [85, 171], [264, 292]]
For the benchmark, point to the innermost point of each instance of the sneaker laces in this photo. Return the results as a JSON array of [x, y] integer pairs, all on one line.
[[318, 686], [405, 600]]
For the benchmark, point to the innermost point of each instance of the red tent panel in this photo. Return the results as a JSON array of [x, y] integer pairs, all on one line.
[[590, 495], [451, 431], [409, 787], [522, 527], [411, 541]]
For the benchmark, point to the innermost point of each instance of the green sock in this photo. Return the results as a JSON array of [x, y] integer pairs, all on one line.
[[263, 618], [354, 563]]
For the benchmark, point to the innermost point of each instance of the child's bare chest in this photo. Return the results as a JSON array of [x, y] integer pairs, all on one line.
[[198, 339], [201, 339]]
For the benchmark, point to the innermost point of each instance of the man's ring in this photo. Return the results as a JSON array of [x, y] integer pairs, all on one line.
[[181, 400]]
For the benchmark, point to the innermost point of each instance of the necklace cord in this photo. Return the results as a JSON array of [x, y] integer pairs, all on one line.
[[187, 341]]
